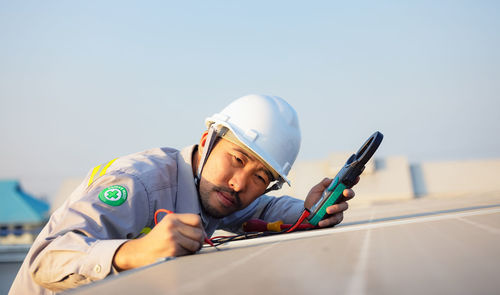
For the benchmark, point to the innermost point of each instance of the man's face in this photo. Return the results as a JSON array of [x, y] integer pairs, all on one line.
[[231, 179]]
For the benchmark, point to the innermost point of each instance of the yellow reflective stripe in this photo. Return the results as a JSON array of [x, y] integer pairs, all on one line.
[[94, 172], [145, 230], [106, 167]]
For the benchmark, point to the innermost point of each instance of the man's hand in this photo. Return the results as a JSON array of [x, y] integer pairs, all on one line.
[[174, 235], [335, 212]]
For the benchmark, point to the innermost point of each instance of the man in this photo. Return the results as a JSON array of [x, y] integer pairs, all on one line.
[[107, 224]]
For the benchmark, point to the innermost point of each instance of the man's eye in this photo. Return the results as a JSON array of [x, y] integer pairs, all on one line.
[[261, 178], [240, 161]]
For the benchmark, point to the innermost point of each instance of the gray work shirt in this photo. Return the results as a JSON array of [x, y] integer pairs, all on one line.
[[117, 202]]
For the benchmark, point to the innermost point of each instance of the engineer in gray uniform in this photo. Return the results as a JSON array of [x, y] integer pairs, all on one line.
[[107, 224]]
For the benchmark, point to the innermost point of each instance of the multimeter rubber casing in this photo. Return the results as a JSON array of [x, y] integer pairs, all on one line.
[[346, 178]]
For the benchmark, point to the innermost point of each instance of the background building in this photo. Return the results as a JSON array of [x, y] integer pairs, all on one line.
[[21, 215], [21, 218]]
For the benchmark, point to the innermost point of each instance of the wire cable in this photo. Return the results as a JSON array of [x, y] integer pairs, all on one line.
[[219, 240]]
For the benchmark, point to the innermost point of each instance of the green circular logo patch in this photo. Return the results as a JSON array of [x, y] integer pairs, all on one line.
[[114, 195]]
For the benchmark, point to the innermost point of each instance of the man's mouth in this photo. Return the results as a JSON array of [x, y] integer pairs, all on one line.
[[227, 199]]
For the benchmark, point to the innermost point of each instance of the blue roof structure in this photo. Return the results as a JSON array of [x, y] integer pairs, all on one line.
[[17, 207]]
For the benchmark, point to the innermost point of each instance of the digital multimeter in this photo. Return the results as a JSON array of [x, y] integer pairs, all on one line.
[[346, 178]]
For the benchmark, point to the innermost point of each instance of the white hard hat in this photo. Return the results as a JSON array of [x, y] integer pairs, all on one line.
[[266, 125]]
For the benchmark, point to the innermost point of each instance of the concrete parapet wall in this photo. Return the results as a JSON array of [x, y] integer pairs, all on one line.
[[455, 178], [390, 180]]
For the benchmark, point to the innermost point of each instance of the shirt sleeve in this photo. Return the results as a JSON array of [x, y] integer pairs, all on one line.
[[267, 208], [83, 236]]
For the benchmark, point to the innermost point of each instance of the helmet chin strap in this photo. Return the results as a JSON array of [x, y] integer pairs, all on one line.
[[212, 135], [275, 186]]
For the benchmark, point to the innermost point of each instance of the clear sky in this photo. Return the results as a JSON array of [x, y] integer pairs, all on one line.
[[83, 82]]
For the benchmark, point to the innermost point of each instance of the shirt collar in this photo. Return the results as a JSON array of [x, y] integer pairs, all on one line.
[[187, 193]]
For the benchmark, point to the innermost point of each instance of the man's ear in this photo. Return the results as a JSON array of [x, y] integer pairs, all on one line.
[[203, 141]]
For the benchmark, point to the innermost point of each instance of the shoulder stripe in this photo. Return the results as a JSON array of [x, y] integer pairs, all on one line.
[[106, 167], [96, 170]]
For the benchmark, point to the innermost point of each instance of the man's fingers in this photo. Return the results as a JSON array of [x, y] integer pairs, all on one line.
[[189, 219], [315, 193], [336, 214], [332, 220], [326, 181], [186, 232], [348, 194], [188, 225], [190, 231], [320, 187], [193, 233], [191, 245], [340, 207]]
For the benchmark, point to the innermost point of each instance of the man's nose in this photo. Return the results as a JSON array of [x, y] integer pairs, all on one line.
[[238, 181]]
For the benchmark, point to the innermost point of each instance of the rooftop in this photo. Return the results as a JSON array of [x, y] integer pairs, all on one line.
[[431, 245]]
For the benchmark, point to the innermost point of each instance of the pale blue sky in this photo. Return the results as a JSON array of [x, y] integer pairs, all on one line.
[[82, 82]]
